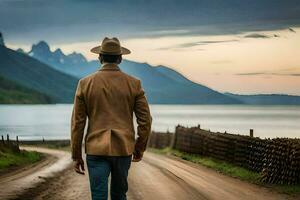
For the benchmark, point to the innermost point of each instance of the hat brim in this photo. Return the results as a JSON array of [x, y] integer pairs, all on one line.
[[97, 50]]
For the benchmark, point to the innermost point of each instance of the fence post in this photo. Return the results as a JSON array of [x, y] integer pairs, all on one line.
[[173, 141], [7, 138], [2, 139], [251, 132], [17, 139]]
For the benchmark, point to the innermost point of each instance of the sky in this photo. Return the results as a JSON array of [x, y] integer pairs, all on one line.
[[245, 47]]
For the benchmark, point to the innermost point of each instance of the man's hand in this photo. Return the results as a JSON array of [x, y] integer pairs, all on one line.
[[79, 166], [137, 156]]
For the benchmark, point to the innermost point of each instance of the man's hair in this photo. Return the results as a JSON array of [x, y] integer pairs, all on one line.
[[104, 58]]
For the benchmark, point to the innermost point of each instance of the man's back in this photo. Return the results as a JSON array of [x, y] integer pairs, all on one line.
[[108, 98]]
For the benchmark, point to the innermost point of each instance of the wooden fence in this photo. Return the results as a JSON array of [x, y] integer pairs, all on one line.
[[278, 160], [160, 140]]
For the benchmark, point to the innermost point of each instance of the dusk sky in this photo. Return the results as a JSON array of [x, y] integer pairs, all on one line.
[[238, 46]]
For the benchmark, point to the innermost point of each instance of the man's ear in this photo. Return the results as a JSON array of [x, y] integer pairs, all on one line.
[[120, 59], [100, 58]]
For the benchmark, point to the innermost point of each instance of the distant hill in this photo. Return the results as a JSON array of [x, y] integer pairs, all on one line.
[[267, 99], [33, 74], [162, 85], [13, 93]]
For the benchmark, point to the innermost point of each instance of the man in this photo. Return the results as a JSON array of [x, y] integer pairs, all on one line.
[[108, 98]]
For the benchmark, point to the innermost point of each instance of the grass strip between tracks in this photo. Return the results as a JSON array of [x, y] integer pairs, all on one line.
[[229, 169]]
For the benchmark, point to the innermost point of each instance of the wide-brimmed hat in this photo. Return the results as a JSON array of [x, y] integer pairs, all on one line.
[[110, 46]]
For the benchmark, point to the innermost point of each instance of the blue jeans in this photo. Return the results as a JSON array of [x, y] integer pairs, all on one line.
[[100, 167]]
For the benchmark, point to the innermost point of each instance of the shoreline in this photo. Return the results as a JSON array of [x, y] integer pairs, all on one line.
[[53, 121]]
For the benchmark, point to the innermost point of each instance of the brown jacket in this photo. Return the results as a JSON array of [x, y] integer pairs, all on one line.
[[108, 98]]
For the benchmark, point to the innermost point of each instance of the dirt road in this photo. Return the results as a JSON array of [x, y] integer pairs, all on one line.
[[161, 177], [156, 177], [17, 182]]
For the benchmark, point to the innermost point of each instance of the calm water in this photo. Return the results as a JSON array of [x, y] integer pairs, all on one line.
[[53, 121]]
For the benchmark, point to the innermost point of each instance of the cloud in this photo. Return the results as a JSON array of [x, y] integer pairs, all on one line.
[[292, 30], [256, 35], [291, 71], [251, 74], [260, 35], [216, 41], [271, 73], [194, 44], [32, 20], [221, 62]]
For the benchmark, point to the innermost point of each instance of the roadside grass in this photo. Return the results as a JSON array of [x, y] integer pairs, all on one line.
[[10, 159], [229, 169], [288, 189]]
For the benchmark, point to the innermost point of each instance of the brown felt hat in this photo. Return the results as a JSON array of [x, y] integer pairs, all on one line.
[[110, 46]]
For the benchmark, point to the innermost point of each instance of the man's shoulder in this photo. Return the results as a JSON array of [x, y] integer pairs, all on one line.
[[87, 78], [131, 78]]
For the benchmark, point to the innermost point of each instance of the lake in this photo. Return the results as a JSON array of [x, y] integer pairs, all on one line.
[[53, 121]]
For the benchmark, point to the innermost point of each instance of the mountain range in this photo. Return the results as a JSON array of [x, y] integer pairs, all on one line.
[[36, 75], [162, 85], [56, 74]]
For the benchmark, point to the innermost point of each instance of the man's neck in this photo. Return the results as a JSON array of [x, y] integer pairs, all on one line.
[[104, 63]]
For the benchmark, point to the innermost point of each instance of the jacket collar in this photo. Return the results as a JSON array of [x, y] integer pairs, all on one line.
[[109, 67]]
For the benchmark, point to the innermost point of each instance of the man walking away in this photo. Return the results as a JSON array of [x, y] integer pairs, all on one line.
[[108, 98]]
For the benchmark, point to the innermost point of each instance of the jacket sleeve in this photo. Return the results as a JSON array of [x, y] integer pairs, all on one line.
[[143, 118], [78, 122]]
